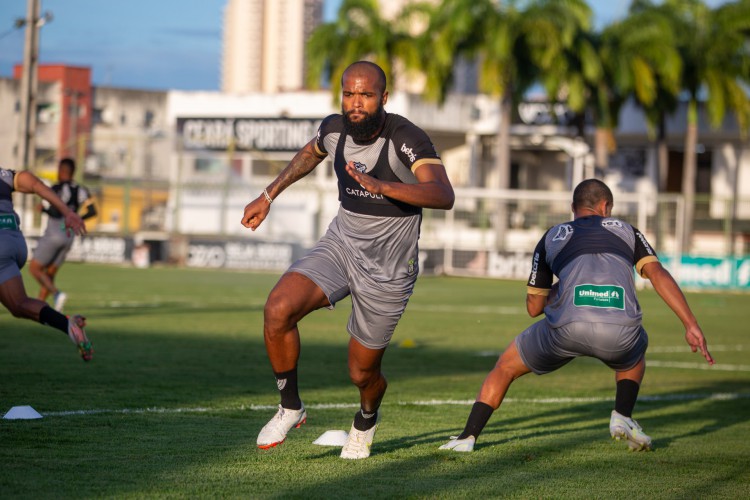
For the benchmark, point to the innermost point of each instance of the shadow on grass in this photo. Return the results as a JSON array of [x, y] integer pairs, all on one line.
[[514, 455], [204, 365]]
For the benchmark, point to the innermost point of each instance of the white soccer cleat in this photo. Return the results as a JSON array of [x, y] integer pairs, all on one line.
[[462, 445], [275, 431], [60, 299], [359, 442], [622, 427]]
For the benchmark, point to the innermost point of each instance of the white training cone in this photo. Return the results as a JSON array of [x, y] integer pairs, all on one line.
[[22, 413], [332, 438]]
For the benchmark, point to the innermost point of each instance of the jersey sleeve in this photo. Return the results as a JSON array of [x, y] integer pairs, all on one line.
[[541, 277], [83, 195], [8, 177], [643, 253], [414, 147], [325, 128]]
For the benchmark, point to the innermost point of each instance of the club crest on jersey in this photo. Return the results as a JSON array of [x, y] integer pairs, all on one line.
[[563, 232], [611, 223], [360, 167]]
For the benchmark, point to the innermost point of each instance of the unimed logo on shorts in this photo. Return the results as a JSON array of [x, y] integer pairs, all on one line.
[[609, 296]]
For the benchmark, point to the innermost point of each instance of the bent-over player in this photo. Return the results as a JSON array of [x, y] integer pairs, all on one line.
[[591, 311]]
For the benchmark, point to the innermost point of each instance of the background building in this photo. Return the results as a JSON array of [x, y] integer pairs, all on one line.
[[264, 44]]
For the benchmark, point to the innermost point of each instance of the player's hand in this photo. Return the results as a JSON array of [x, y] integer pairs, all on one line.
[[74, 224], [367, 182], [255, 212], [697, 342]]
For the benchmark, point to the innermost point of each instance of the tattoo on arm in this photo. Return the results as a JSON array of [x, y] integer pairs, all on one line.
[[302, 164]]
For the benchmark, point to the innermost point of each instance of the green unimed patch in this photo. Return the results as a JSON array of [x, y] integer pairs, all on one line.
[[180, 385]]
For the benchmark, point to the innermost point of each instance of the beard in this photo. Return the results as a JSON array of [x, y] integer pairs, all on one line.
[[366, 128]]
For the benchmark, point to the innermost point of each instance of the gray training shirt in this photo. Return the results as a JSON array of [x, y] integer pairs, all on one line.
[[593, 257]]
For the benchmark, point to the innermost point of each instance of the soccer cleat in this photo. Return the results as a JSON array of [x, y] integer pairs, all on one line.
[[60, 299], [275, 431], [358, 442], [78, 336], [622, 427], [462, 445]]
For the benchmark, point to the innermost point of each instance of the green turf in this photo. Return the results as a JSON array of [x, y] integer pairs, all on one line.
[[180, 367]]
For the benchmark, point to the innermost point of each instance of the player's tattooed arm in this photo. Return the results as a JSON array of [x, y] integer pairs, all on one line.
[[302, 164]]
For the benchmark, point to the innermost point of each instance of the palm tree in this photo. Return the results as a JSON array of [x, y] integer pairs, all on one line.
[[713, 45], [360, 32], [648, 67], [513, 48]]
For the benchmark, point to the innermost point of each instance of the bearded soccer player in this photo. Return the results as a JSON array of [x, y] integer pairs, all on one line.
[[387, 170], [591, 311]]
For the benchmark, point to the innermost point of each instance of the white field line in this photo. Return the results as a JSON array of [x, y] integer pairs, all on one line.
[[696, 366], [686, 348], [446, 308], [652, 363], [431, 402]]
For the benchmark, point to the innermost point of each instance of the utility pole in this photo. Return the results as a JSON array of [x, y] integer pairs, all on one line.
[[26, 153], [29, 85]]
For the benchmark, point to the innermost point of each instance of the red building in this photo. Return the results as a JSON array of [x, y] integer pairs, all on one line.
[[75, 106]]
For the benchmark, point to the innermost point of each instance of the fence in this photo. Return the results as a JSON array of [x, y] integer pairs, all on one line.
[[488, 233]]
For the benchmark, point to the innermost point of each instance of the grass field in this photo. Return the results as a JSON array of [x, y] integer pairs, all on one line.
[[180, 385]]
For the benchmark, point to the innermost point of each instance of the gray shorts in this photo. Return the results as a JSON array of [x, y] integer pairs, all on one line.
[[13, 254], [545, 349], [377, 304], [54, 245]]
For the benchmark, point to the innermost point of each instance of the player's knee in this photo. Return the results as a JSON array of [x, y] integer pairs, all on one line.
[[35, 268], [16, 310], [365, 378], [277, 311], [505, 370]]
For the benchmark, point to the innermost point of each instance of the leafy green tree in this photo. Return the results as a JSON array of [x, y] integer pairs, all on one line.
[[647, 66], [513, 46], [714, 45], [360, 32]]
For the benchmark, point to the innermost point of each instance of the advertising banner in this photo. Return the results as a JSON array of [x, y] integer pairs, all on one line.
[[710, 272]]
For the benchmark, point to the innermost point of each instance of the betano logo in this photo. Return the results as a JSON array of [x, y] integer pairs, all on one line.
[[409, 152]]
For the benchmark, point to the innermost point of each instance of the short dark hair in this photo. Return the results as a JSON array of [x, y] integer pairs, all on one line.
[[590, 192], [70, 162], [360, 65]]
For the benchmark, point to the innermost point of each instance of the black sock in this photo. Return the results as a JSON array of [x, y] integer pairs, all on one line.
[[625, 397], [364, 421], [50, 317], [287, 384], [480, 414]]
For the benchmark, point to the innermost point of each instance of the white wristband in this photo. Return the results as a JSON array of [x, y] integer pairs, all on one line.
[[268, 197]]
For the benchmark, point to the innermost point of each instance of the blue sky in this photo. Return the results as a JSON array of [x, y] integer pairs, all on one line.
[[149, 44]]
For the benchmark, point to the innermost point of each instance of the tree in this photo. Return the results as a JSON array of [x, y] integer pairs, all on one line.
[[360, 32], [714, 48], [513, 47], [650, 69]]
